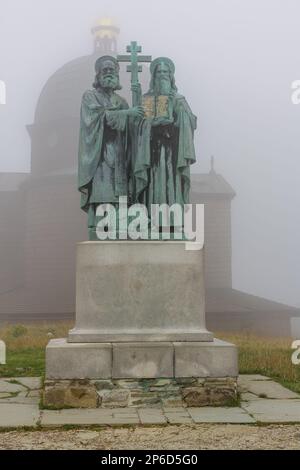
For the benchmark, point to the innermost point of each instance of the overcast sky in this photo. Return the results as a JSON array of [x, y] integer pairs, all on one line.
[[235, 62]]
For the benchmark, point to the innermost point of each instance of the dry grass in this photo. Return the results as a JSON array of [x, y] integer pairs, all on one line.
[[32, 335], [267, 356]]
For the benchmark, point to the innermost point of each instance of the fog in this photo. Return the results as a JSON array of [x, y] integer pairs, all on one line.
[[235, 63]]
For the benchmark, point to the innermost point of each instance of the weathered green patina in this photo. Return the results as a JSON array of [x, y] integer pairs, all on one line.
[[134, 68], [103, 155], [143, 152], [165, 147]]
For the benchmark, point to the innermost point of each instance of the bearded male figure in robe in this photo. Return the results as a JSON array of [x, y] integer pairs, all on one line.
[[102, 157], [165, 147]]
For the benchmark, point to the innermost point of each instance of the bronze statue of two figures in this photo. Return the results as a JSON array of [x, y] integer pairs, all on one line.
[[143, 152]]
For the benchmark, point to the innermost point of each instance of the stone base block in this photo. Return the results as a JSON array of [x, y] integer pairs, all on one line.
[[145, 360], [140, 360], [78, 360], [141, 393], [206, 359]]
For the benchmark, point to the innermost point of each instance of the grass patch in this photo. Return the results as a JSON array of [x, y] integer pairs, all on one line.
[[25, 345], [233, 402], [33, 335], [266, 356], [24, 363]]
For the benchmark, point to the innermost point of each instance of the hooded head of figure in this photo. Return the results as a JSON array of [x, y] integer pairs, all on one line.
[[107, 74]]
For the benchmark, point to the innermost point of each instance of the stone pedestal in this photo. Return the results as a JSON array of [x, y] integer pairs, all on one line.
[[139, 291], [140, 314]]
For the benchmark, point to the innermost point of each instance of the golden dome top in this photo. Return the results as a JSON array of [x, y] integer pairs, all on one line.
[[105, 27]]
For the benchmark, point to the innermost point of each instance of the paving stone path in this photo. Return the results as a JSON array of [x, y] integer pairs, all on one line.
[[262, 400]]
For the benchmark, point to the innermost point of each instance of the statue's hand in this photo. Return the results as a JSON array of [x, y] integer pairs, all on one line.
[[136, 111], [136, 87]]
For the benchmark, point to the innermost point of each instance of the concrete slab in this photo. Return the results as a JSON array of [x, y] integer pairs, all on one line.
[[174, 409], [124, 411], [17, 415], [151, 416], [270, 389], [246, 396], [34, 393], [87, 417], [178, 417], [243, 377], [119, 419], [274, 411], [220, 415], [33, 383], [7, 386], [21, 398]]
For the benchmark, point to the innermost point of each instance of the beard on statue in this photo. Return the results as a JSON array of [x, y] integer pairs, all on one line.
[[109, 82], [162, 86]]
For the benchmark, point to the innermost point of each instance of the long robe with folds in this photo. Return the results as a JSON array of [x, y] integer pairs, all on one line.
[[163, 158], [102, 161]]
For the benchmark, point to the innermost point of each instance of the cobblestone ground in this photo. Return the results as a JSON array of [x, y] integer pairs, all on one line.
[[194, 436]]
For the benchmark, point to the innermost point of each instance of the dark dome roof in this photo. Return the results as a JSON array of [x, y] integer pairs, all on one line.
[[54, 134], [61, 95]]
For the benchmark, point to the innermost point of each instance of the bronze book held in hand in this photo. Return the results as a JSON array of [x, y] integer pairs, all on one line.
[[156, 106]]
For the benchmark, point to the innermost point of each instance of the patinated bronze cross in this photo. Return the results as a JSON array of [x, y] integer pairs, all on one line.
[[134, 67]]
